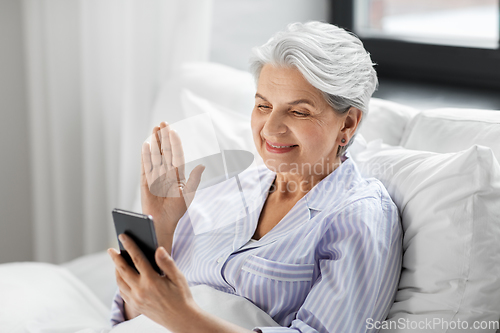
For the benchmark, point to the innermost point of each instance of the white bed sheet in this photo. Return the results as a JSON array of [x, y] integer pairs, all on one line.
[[43, 298], [46, 298], [97, 272]]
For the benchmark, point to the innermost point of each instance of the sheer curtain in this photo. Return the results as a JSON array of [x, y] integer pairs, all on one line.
[[94, 70]]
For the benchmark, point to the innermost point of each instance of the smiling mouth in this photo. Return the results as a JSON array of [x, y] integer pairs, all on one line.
[[281, 146]]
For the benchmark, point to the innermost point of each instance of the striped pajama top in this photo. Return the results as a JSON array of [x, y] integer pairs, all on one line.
[[332, 264]]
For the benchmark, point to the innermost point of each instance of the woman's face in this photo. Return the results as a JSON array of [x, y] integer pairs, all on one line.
[[294, 129]]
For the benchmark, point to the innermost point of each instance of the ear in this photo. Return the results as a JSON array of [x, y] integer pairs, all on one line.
[[352, 118]]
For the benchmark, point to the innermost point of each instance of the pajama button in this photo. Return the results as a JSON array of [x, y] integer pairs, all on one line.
[[220, 260]]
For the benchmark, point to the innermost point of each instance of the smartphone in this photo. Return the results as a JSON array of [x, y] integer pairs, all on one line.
[[141, 229]]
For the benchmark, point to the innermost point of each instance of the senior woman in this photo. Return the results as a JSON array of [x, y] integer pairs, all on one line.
[[321, 250]]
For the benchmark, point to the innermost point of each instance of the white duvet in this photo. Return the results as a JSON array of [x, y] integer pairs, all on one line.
[[45, 298]]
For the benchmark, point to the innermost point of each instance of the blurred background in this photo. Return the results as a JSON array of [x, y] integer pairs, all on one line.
[[78, 80]]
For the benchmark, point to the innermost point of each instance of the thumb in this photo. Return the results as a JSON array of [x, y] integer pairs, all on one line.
[[194, 179], [192, 184]]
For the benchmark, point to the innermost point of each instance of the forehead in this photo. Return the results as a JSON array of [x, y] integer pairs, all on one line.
[[286, 83]]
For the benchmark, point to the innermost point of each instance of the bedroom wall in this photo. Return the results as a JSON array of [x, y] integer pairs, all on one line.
[[15, 201], [240, 25]]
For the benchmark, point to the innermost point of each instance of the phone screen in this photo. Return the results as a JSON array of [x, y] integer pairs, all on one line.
[[141, 229]]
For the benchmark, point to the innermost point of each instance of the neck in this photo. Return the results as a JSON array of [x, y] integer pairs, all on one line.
[[290, 185]]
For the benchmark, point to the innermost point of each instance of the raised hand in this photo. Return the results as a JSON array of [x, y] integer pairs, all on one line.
[[165, 192]]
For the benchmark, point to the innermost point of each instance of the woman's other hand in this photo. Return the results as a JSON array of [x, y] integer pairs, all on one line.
[[165, 193]]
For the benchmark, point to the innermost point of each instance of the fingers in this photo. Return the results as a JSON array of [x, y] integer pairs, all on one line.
[[146, 166], [166, 150], [164, 156], [126, 272], [155, 152], [139, 259], [122, 285], [177, 155]]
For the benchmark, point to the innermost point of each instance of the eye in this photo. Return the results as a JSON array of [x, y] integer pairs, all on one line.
[[263, 107], [300, 114]]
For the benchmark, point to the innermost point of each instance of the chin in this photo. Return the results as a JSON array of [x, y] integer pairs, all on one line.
[[279, 165]]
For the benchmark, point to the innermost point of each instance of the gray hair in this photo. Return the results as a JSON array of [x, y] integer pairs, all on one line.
[[331, 59]]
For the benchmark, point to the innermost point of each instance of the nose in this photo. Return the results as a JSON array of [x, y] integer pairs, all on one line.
[[275, 125]]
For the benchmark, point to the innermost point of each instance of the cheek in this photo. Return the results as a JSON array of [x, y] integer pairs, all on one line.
[[256, 123], [309, 134], [316, 139]]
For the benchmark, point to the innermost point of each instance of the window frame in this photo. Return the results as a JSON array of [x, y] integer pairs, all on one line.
[[411, 60]]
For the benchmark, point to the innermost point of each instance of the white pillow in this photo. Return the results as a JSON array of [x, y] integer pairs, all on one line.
[[450, 209], [451, 130], [226, 86], [386, 120], [232, 129]]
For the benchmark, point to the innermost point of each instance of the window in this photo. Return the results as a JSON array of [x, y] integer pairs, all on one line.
[[440, 40], [472, 23]]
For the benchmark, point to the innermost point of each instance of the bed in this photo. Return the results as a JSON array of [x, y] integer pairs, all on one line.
[[440, 167]]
